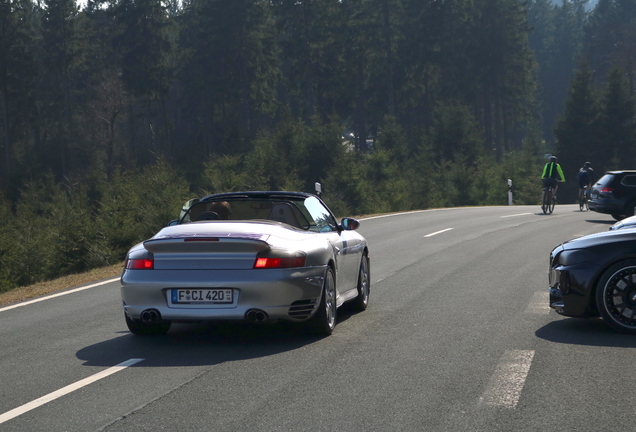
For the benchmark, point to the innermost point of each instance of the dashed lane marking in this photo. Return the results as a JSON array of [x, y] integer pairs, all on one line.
[[504, 388], [540, 303], [438, 232], [515, 215]]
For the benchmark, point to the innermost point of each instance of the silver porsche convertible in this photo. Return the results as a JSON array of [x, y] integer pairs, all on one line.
[[247, 256]]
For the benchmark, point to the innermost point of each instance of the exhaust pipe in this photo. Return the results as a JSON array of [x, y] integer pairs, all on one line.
[[150, 316], [256, 316]]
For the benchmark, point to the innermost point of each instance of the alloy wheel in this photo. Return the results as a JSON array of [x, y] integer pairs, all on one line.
[[617, 299]]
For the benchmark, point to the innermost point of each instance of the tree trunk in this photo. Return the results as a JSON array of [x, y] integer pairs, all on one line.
[[389, 57]]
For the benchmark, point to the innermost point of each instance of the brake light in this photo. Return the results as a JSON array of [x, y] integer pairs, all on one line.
[[140, 264], [606, 189], [285, 262]]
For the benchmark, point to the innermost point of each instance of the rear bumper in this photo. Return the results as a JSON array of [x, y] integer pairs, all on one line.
[[608, 206], [279, 293]]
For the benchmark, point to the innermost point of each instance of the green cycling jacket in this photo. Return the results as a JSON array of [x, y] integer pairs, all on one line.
[[553, 170]]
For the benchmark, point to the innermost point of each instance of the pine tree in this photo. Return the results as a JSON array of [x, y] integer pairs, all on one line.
[[616, 145], [17, 83], [505, 69], [146, 72], [59, 60], [576, 130], [230, 73]]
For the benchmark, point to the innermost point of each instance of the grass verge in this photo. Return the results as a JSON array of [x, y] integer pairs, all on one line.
[[48, 287]]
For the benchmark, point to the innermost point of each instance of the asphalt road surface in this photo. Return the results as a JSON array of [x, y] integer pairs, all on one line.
[[458, 337]]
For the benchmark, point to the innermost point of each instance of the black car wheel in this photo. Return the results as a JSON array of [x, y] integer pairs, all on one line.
[[324, 320], [143, 329], [616, 296], [364, 281]]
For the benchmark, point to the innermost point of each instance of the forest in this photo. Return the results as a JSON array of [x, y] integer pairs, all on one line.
[[115, 112]]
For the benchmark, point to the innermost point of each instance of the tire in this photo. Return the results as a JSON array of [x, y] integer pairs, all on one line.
[[616, 296], [551, 204], [141, 329], [548, 203], [324, 320], [364, 285], [618, 217]]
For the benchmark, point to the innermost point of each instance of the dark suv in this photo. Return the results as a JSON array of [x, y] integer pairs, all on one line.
[[615, 193]]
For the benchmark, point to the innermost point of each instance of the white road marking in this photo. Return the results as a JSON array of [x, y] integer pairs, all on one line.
[[438, 232], [66, 390], [57, 295], [515, 215], [539, 304], [419, 211], [504, 388]]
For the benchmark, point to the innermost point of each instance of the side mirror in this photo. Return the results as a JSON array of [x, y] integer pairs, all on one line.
[[350, 224], [173, 222]]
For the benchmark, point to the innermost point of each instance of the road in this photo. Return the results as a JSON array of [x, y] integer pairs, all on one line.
[[458, 337]]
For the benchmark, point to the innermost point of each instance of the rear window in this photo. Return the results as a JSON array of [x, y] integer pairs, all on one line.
[[605, 180]]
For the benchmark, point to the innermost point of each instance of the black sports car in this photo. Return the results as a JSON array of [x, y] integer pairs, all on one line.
[[595, 275]]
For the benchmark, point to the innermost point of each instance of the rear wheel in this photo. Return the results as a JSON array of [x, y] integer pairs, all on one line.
[[616, 296], [551, 204], [544, 202], [143, 329], [324, 320], [364, 284], [548, 204]]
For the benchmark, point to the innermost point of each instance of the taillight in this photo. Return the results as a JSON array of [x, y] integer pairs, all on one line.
[[277, 261], [140, 264], [605, 189]]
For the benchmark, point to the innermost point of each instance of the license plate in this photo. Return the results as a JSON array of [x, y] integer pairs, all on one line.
[[203, 296]]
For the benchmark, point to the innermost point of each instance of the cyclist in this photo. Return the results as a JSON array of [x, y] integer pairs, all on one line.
[[585, 178], [552, 174]]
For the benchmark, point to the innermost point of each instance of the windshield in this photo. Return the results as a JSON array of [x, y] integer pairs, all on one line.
[[308, 213]]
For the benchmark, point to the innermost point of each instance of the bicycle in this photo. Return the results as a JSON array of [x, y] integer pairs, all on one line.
[[583, 205], [548, 200]]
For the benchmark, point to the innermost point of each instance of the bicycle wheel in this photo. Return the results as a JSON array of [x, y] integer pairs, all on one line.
[[551, 203], [545, 205]]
